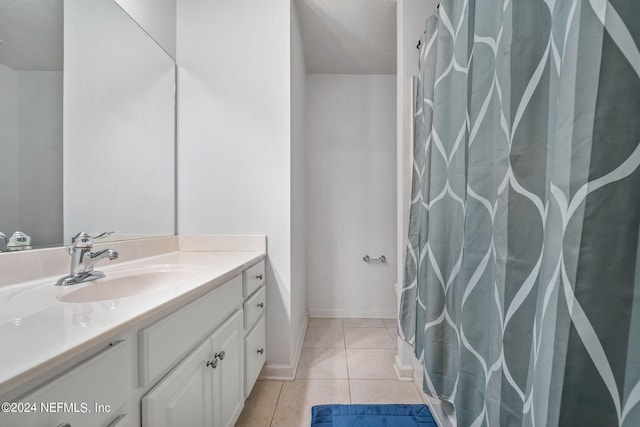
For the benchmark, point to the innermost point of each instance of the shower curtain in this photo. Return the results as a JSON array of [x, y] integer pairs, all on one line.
[[522, 278]]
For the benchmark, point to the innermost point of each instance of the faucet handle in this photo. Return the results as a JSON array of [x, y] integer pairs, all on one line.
[[103, 235], [84, 240]]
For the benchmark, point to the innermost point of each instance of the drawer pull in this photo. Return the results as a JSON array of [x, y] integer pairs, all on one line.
[[213, 363], [219, 355], [65, 425], [260, 350], [260, 305], [259, 277]]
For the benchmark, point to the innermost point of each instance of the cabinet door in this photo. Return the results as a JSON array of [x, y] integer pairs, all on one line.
[[254, 353], [184, 397], [228, 379]]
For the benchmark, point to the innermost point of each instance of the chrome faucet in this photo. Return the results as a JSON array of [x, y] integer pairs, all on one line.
[[83, 260]]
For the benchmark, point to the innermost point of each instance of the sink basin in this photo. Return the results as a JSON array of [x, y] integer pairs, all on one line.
[[130, 283], [118, 283]]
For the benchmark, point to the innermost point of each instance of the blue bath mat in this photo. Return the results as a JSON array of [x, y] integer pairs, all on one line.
[[372, 416]]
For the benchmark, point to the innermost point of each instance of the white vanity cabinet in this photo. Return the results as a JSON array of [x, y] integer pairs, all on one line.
[[166, 342], [253, 284], [205, 389], [192, 365], [93, 393]]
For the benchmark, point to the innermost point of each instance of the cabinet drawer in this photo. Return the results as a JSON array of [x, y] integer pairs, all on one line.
[[254, 354], [254, 308], [164, 343], [90, 394], [253, 278]]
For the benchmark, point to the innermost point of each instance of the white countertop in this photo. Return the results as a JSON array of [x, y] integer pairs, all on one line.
[[39, 332]]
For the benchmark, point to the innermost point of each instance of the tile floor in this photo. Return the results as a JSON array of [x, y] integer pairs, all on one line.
[[342, 361]]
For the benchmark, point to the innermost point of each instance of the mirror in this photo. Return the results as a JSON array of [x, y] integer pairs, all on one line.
[[31, 119], [104, 161]]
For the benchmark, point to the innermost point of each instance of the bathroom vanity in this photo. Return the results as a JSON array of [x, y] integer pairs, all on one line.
[[170, 339]]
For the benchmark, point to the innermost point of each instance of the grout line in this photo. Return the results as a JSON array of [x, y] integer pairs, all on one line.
[[394, 338], [344, 337], [346, 360], [273, 413]]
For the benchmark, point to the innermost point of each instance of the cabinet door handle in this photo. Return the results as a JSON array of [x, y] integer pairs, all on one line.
[[65, 425], [260, 305], [213, 363], [260, 350], [219, 355], [259, 277]]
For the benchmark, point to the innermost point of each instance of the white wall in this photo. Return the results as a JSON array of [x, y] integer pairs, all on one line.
[[351, 202], [40, 156], [119, 107], [157, 18], [234, 139], [298, 186], [8, 150]]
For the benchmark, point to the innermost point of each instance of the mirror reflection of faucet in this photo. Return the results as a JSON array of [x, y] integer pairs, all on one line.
[[17, 242]]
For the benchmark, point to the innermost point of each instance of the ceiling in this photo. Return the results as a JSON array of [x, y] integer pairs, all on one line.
[[339, 36], [348, 36], [31, 34]]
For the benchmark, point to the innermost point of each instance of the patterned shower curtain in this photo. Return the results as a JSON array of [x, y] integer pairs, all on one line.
[[522, 279]]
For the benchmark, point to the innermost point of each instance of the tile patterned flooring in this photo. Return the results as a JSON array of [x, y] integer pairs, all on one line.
[[342, 361]]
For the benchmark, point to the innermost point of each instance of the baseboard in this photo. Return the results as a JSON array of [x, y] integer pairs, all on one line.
[[439, 413], [438, 410], [403, 372], [277, 371], [284, 371], [372, 314], [417, 372], [298, 348]]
